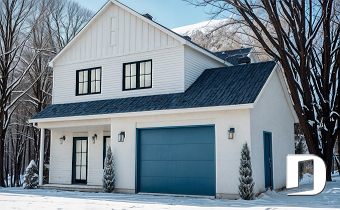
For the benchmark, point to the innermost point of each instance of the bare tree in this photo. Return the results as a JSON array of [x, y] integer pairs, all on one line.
[[14, 34], [303, 36], [63, 19]]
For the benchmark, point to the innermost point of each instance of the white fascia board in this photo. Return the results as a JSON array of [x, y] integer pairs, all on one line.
[[277, 70], [145, 113], [93, 19], [170, 33], [265, 85], [287, 94], [205, 52], [151, 22]]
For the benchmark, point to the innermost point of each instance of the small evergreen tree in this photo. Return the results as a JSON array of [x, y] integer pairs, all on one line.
[[246, 187], [109, 173], [31, 177], [299, 150]]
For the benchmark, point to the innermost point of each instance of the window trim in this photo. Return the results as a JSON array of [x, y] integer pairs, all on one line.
[[137, 75], [89, 81]]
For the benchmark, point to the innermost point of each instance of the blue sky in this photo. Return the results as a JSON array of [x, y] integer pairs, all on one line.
[[170, 13]]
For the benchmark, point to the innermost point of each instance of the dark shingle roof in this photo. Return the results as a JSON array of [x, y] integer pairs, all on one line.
[[232, 56], [215, 87]]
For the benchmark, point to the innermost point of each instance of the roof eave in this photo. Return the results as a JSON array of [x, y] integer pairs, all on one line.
[[144, 113], [93, 19], [208, 53], [158, 26], [276, 70]]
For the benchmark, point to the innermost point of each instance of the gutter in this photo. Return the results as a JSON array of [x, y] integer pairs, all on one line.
[[144, 113]]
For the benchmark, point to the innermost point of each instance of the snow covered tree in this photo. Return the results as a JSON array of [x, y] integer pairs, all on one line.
[[246, 187], [109, 172], [14, 40], [31, 34], [31, 178], [304, 38]]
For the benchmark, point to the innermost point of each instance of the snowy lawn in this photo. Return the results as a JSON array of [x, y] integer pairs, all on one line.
[[18, 198]]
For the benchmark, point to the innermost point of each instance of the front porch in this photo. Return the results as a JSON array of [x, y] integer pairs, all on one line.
[[77, 155], [73, 187]]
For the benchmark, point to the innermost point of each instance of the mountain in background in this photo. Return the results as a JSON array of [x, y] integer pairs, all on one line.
[[204, 27], [221, 35], [215, 35]]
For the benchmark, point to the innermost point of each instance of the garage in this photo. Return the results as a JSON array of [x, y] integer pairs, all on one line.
[[176, 160]]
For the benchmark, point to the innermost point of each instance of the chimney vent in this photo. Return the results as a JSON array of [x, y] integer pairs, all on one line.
[[147, 15], [244, 60], [187, 38]]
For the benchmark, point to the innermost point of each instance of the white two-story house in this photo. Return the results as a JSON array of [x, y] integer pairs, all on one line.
[[175, 114]]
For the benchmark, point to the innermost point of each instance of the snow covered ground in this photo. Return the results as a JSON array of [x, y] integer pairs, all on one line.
[[18, 198]]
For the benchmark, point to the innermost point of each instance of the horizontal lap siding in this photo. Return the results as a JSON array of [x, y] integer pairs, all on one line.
[[167, 76], [60, 159], [195, 64], [115, 38]]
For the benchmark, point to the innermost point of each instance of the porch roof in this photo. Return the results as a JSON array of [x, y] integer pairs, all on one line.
[[215, 87]]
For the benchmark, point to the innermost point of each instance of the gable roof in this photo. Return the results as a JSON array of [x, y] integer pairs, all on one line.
[[232, 56], [151, 22], [224, 86]]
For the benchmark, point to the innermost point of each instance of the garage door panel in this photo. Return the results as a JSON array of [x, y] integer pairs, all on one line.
[[177, 169], [177, 152], [182, 135], [185, 186], [177, 160]]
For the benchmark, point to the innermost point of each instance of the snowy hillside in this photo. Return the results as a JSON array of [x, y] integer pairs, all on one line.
[[221, 35], [214, 35], [204, 27]]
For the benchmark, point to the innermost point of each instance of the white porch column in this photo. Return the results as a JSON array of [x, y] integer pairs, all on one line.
[[41, 159]]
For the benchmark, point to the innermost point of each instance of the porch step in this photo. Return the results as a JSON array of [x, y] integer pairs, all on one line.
[[79, 188]]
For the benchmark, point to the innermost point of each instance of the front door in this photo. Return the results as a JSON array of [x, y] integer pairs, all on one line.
[[79, 160], [268, 163]]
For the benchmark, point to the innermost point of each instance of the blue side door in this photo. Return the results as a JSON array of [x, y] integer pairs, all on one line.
[[177, 160], [268, 163]]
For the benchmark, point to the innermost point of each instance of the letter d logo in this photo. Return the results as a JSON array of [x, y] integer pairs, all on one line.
[[319, 171]]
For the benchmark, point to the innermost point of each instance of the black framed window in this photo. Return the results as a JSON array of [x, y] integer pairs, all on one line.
[[137, 75], [88, 81]]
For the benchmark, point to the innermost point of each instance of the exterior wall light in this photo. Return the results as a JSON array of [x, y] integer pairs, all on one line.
[[62, 139], [94, 138], [121, 136], [231, 133]]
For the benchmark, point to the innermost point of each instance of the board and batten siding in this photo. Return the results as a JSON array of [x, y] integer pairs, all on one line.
[[195, 63], [116, 32]]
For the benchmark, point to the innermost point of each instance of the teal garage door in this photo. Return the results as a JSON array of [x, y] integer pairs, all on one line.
[[177, 160]]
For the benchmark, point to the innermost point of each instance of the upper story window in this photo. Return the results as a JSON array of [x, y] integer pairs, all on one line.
[[88, 81], [137, 75]]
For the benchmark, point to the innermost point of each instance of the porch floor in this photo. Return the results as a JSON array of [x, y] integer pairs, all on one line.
[[72, 187]]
